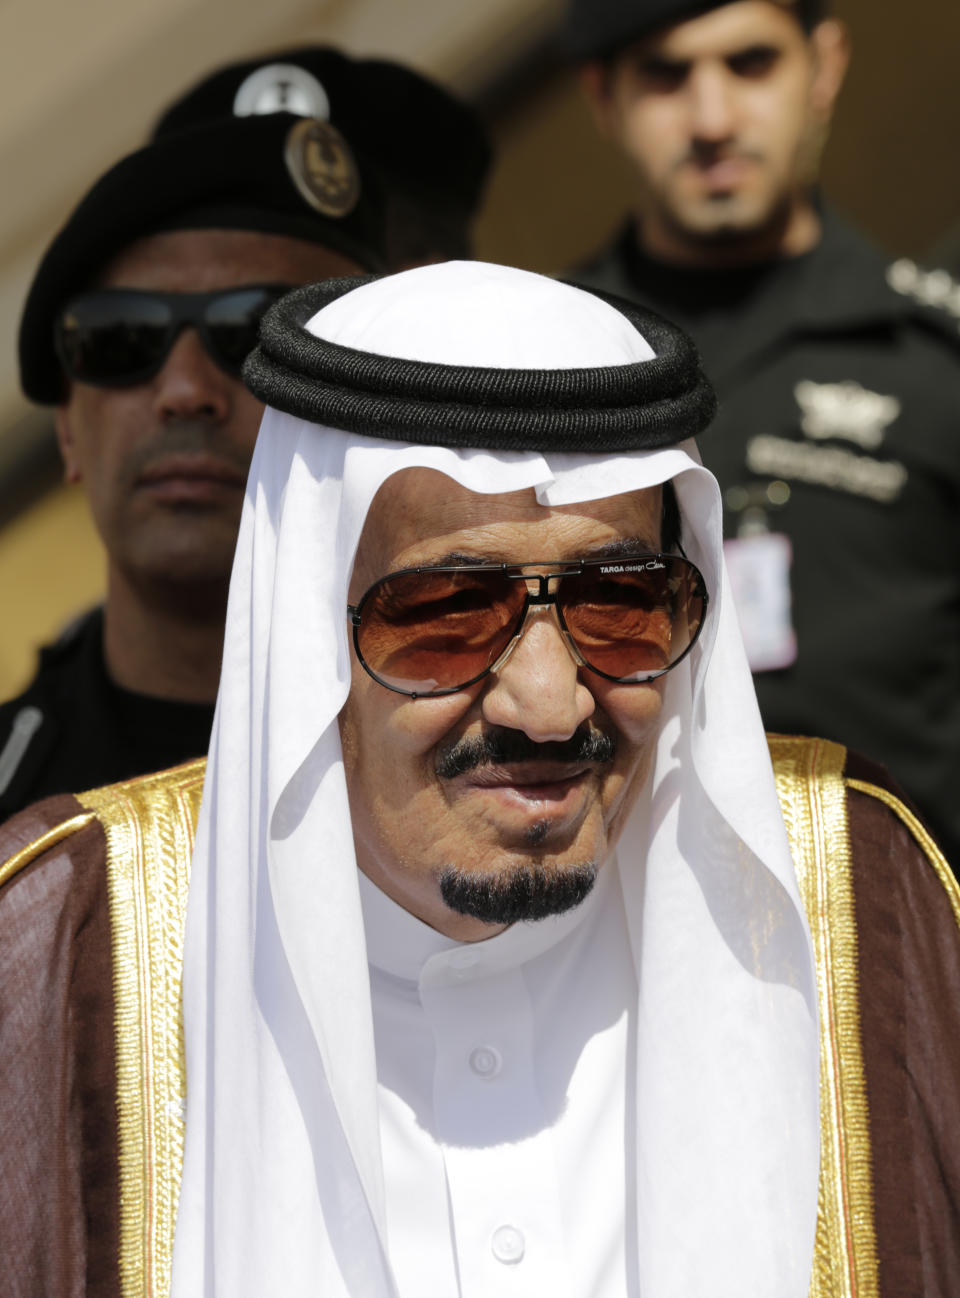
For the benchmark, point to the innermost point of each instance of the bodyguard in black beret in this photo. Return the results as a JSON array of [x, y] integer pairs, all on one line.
[[837, 373], [219, 157], [231, 173], [268, 174]]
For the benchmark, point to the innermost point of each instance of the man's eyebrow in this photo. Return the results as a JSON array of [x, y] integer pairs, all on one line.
[[616, 549], [624, 546], [662, 65], [452, 559]]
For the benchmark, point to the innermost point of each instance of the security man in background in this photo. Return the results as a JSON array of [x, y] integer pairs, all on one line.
[[837, 443], [269, 174]]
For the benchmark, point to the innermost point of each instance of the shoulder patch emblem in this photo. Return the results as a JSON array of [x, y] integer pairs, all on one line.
[[845, 410], [933, 288]]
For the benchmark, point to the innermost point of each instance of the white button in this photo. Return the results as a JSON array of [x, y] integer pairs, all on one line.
[[508, 1244], [463, 959], [486, 1061]]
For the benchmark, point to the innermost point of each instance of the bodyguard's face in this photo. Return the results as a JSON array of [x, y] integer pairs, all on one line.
[[721, 115], [164, 462], [500, 802]]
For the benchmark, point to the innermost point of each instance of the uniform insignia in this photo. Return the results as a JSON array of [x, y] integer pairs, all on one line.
[[322, 167], [827, 466], [281, 88], [935, 288], [845, 410]]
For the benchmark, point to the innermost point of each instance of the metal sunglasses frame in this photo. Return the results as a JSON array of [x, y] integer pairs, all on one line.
[[542, 597]]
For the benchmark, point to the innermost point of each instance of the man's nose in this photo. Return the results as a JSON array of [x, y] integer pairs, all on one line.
[[712, 107], [538, 689], [191, 385]]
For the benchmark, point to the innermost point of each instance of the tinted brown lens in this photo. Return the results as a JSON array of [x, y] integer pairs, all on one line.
[[634, 617], [434, 631]]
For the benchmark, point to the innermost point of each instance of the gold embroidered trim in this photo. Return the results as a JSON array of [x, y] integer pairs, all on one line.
[[920, 833], [809, 776], [20, 860], [149, 826]]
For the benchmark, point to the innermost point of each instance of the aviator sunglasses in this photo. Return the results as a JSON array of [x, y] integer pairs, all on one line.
[[117, 337], [431, 631]]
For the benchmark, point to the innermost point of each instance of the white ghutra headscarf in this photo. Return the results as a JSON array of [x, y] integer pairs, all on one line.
[[283, 1184]]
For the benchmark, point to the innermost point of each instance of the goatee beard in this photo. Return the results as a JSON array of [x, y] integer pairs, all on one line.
[[526, 892]]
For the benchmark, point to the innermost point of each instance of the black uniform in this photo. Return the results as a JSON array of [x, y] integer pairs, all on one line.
[[74, 729], [837, 376]]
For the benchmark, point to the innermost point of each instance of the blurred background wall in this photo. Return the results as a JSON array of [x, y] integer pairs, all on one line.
[[82, 84]]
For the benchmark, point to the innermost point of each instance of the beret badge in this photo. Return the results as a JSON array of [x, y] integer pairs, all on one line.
[[322, 167]]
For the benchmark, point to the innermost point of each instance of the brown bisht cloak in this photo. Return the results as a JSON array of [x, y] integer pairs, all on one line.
[[92, 902]]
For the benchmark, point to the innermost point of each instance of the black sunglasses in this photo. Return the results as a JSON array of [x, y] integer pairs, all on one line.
[[117, 337], [431, 631]]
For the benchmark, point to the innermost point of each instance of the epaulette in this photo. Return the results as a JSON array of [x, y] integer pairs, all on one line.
[[935, 292]]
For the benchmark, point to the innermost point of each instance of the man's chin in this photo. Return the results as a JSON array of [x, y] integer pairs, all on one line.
[[726, 221], [528, 891], [721, 224]]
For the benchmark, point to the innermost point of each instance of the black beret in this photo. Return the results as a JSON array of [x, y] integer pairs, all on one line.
[[637, 406], [243, 173], [418, 135], [598, 28]]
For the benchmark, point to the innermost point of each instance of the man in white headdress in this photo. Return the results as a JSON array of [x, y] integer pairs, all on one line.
[[501, 969]]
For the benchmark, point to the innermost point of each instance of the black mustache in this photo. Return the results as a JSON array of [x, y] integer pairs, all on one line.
[[504, 747]]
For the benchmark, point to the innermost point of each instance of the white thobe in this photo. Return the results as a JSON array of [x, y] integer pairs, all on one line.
[[504, 1070]]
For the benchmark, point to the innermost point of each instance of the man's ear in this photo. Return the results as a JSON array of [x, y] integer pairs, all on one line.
[[595, 86], [830, 44], [68, 449]]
